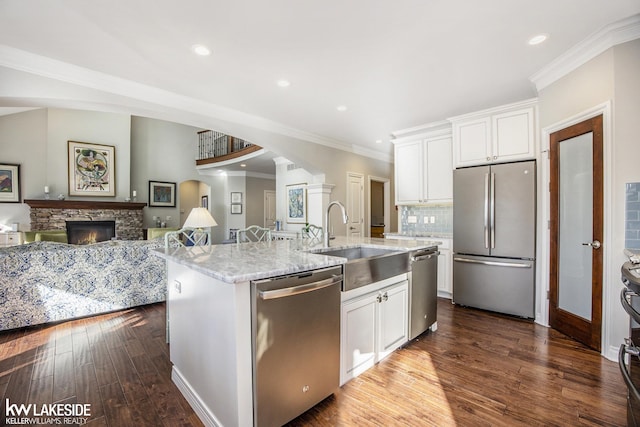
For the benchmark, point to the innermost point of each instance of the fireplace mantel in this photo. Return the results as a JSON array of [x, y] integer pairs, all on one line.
[[82, 204]]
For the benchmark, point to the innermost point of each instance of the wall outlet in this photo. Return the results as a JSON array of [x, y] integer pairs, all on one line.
[[168, 218], [425, 220], [412, 219], [432, 220]]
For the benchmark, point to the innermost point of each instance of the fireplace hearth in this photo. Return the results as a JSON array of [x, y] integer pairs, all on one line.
[[87, 232]]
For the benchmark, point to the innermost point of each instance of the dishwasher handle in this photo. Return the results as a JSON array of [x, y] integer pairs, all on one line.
[[421, 256], [300, 289]]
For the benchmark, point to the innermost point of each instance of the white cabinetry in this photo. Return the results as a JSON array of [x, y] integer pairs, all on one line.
[[10, 238], [445, 268], [373, 324], [424, 169], [497, 135]]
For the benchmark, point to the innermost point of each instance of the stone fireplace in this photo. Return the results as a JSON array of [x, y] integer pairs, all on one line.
[[54, 214]]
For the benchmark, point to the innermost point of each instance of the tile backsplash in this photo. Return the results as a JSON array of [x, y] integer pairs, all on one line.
[[632, 218], [412, 219]]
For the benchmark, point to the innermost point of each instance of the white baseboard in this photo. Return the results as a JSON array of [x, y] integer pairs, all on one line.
[[205, 415]]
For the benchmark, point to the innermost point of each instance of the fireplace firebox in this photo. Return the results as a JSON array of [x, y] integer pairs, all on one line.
[[87, 232]]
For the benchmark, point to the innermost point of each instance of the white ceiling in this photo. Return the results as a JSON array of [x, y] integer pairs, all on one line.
[[394, 64]]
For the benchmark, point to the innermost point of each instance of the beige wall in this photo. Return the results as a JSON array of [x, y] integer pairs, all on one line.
[[255, 199], [610, 77]]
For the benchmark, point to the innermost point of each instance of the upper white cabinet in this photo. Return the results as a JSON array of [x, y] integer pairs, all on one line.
[[424, 169], [497, 135]]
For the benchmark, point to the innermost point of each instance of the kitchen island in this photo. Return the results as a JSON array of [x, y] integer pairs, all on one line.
[[209, 307]]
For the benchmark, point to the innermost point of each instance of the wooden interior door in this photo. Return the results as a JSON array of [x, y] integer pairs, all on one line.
[[576, 200]]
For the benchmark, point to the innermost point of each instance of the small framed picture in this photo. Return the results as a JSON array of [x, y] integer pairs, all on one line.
[[236, 197], [297, 203], [9, 183], [236, 208], [204, 202], [92, 169], [162, 194]]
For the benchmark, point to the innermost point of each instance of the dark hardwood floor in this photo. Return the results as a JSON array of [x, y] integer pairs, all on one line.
[[477, 369]]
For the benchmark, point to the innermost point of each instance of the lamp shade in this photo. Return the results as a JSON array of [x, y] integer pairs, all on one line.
[[199, 218]]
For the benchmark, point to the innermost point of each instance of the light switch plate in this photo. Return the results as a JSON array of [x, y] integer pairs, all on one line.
[[412, 219]]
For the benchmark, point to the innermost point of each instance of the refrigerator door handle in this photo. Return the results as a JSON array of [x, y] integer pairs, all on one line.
[[494, 263], [486, 211], [492, 215]]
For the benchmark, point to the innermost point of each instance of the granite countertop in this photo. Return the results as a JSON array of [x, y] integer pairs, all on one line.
[[235, 263], [419, 235]]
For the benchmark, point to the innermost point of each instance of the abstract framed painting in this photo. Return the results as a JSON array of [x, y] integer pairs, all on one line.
[[162, 194], [9, 183], [297, 203], [92, 169]]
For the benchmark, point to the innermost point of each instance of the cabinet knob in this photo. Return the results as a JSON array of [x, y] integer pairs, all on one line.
[[488, 158], [385, 297], [495, 157]]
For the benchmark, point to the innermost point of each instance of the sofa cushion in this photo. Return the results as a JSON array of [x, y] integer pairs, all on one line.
[[30, 236], [51, 237]]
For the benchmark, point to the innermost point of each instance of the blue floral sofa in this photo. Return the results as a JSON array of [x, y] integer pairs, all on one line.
[[44, 282]]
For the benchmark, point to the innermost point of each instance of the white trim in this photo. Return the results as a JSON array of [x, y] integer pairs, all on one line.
[[531, 102], [611, 35], [387, 201], [199, 407], [434, 134], [608, 351], [426, 128], [28, 62]]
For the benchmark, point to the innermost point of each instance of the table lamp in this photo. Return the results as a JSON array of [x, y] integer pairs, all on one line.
[[198, 219]]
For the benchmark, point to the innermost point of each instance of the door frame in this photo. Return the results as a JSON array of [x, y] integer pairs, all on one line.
[[608, 349], [587, 331], [387, 201], [360, 201]]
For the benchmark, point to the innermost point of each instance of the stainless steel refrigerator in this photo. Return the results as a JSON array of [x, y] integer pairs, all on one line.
[[494, 237]]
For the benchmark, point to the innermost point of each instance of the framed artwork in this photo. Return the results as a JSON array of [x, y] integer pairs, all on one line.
[[9, 183], [236, 208], [236, 197], [92, 169], [297, 203], [162, 194], [204, 202]]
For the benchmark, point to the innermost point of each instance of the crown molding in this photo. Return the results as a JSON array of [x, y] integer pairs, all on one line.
[[402, 134], [609, 36], [39, 65]]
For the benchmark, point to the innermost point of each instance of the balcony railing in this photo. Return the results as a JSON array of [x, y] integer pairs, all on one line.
[[216, 147]]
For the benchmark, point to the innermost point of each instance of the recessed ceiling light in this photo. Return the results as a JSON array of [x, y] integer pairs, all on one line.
[[537, 39], [242, 165], [378, 141], [341, 108], [283, 83], [201, 50]]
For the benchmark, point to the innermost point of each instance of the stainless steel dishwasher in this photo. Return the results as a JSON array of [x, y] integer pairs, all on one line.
[[296, 343], [423, 291]]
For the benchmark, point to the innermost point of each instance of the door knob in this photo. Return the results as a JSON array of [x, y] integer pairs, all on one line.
[[595, 244]]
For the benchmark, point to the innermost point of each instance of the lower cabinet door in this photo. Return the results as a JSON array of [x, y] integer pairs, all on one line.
[[372, 327], [358, 341], [393, 319]]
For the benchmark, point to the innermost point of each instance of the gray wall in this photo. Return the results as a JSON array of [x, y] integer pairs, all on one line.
[[37, 140], [612, 76]]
